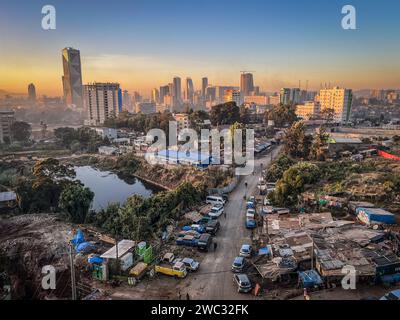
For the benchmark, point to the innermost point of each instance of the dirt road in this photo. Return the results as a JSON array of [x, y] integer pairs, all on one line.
[[215, 279]]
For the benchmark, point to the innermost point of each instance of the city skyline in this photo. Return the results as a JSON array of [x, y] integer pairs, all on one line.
[[192, 44]]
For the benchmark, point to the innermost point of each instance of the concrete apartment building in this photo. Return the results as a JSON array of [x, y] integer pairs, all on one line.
[[102, 100], [182, 120], [7, 118], [339, 100], [308, 109]]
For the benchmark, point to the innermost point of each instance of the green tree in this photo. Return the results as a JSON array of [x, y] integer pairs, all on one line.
[[276, 170], [75, 200], [226, 113], [21, 131], [283, 115], [293, 183], [297, 142], [320, 145]]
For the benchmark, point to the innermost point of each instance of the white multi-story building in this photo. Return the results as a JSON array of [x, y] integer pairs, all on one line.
[[102, 100], [339, 100], [307, 110], [182, 120]]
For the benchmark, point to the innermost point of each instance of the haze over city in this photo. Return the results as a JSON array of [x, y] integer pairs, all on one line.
[[142, 44]]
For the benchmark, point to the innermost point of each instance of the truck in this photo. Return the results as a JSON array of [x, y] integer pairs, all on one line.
[[212, 227], [178, 270], [204, 242]]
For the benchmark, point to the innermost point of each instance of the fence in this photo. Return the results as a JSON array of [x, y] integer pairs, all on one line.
[[227, 189]]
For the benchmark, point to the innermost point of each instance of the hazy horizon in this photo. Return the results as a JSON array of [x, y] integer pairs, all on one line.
[[143, 44]]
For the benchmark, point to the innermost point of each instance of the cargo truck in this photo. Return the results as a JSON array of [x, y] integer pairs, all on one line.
[[178, 270]]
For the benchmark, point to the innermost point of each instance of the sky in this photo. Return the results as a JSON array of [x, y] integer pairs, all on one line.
[[145, 43]]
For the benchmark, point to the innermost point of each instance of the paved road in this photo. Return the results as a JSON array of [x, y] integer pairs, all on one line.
[[214, 279]]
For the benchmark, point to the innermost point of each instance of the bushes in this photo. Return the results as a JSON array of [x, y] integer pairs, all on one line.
[[276, 170], [139, 217], [293, 183]]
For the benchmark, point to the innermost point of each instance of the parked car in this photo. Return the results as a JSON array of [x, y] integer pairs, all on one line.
[[212, 227], [246, 250], [251, 223], [238, 264], [215, 200], [392, 295], [216, 211], [190, 264], [205, 220], [204, 242], [243, 282]]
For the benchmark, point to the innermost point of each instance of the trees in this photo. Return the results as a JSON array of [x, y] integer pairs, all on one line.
[[297, 142], [276, 170], [320, 145], [293, 183], [21, 131], [226, 113], [75, 200], [283, 115], [41, 191]]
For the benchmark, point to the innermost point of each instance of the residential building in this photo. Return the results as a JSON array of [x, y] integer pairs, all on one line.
[[104, 132], [146, 108], [177, 92], [72, 78], [32, 93], [285, 95], [258, 100], [189, 90], [339, 100], [164, 90], [233, 95], [182, 120], [274, 99], [126, 101], [308, 109], [204, 85], [246, 84], [155, 95], [102, 100], [7, 119]]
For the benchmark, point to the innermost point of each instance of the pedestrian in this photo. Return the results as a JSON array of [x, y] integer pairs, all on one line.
[[225, 214], [187, 296], [215, 246]]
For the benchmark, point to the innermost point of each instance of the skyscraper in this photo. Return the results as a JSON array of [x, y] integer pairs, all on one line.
[[177, 91], [204, 85], [102, 100], [285, 95], [246, 83], [72, 79], [32, 92], [155, 95], [164, 90], [189, 91]]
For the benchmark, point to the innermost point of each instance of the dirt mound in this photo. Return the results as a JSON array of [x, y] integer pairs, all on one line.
[[27, 244]]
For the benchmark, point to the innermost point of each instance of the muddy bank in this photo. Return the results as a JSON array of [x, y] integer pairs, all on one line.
[[29, 242]]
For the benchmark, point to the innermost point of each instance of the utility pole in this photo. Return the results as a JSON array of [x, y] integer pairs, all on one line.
[[72, 266], [312, 255]]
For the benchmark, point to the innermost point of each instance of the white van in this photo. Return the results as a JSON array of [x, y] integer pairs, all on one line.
[[214, 200]]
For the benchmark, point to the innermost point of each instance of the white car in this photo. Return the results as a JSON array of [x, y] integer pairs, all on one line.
[[216, 211]]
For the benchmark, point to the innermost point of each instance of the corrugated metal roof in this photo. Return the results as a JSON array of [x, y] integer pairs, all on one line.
[[123, 247]]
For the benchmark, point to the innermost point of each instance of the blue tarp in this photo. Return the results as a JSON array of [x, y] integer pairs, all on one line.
[[310, 278], [79, 238], [186, 228], [84, 247], [263, 251], [95, 260]]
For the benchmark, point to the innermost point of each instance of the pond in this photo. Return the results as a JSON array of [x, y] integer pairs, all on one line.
[[109, 188]]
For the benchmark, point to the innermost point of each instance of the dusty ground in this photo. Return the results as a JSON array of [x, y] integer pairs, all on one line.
[[29, 242]]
